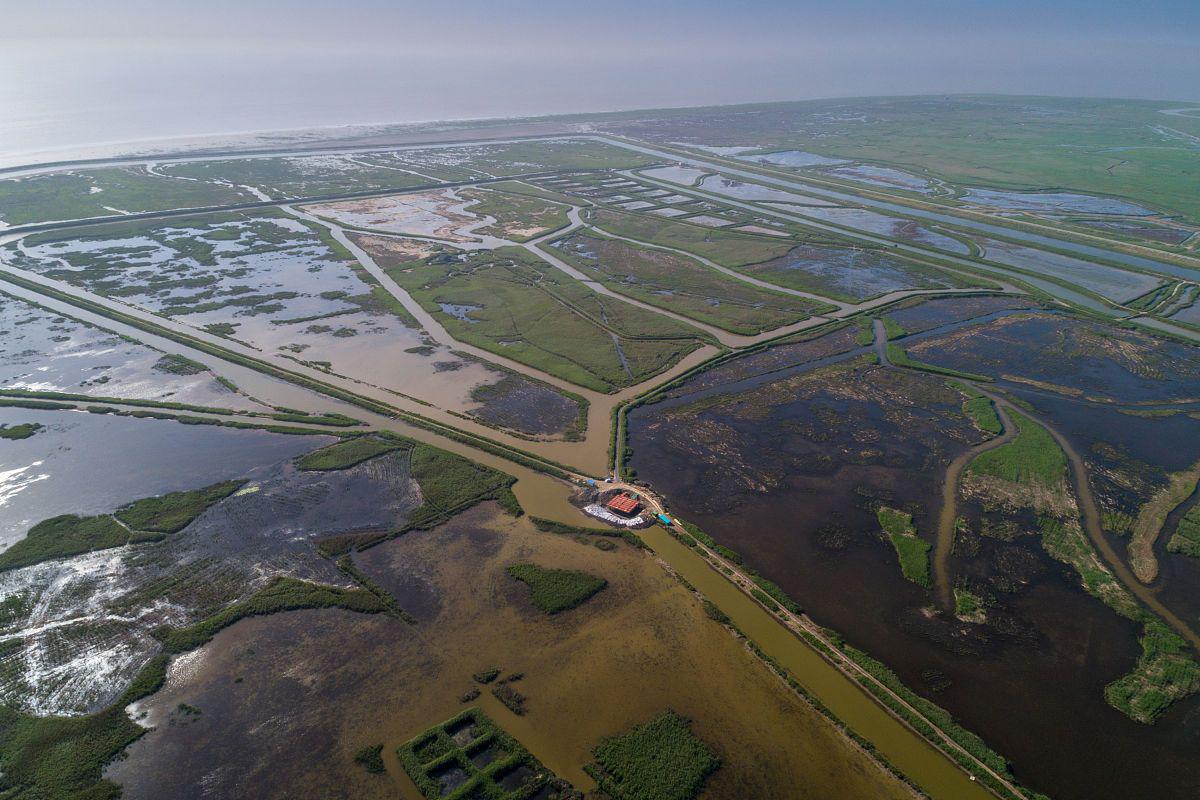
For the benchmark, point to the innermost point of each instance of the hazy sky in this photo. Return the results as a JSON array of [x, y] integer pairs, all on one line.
[[80, 71]]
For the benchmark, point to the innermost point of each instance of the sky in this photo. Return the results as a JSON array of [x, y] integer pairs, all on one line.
[[76, 72]]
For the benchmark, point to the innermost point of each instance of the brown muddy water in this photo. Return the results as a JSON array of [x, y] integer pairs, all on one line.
[[286, 700], [785, 470]]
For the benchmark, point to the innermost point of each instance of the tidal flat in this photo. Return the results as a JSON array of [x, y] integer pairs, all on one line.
[[284, 711]]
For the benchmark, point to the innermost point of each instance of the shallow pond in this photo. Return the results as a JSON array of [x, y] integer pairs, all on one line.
[[843, 272], [1141, 230], [718, 184], [882, 176], [90, 626], [1053, 202], [791, 158], [1085, 357], [686, 176], [894, 227], [42, 351], [66, 467], [1111, 282]]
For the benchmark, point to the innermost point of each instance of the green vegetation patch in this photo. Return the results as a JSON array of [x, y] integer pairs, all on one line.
[[71, 195], [1033, 457], [555, 590], [865, 336], [660, 760], [519, 217], [444, 762], [1165, 673], [510, 302], [346, 454], [179, 365], [727, 248], [371, 758], [145, 520], [171, 513], [22, 431], [63, 536], [912, 550], [1167, 670], [982, 412], [1186, 538], [61, 758], [892, 329], [966, 602], [900, 357], [683, 285]]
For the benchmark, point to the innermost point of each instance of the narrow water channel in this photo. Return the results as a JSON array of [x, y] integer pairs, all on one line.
[[915, 757]]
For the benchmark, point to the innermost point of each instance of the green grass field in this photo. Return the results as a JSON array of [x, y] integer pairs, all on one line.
[[912, 550], [679, 284], [171, 513], [1186, 538], [519, 217], [520, 307], [145, 520], [555, 590], [982, 412], [1033, 457], [62, 536], [727, 248], [1125, 148], [659, 760], [21, 431], [346, 454], [69, 195]]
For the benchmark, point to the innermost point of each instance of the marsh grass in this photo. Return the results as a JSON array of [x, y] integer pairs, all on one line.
[[555, 590]]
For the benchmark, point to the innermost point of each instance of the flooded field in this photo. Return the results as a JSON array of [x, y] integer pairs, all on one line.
[[1053, 202], [922, 315], [82, 625], [80, 194], [685, 176], [1189, 314], [439, 215], [894, 227], [1072, 357], [1111, 282], [882, 176], [678, 283], [44, 352], [719, 184], [790, 158], [65, 468], [775, 362], [280, 285], [1165, 234], [284, 709], [850, 274], [803, 455]]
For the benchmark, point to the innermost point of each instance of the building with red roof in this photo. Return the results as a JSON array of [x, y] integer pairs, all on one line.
[[625, 504]]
